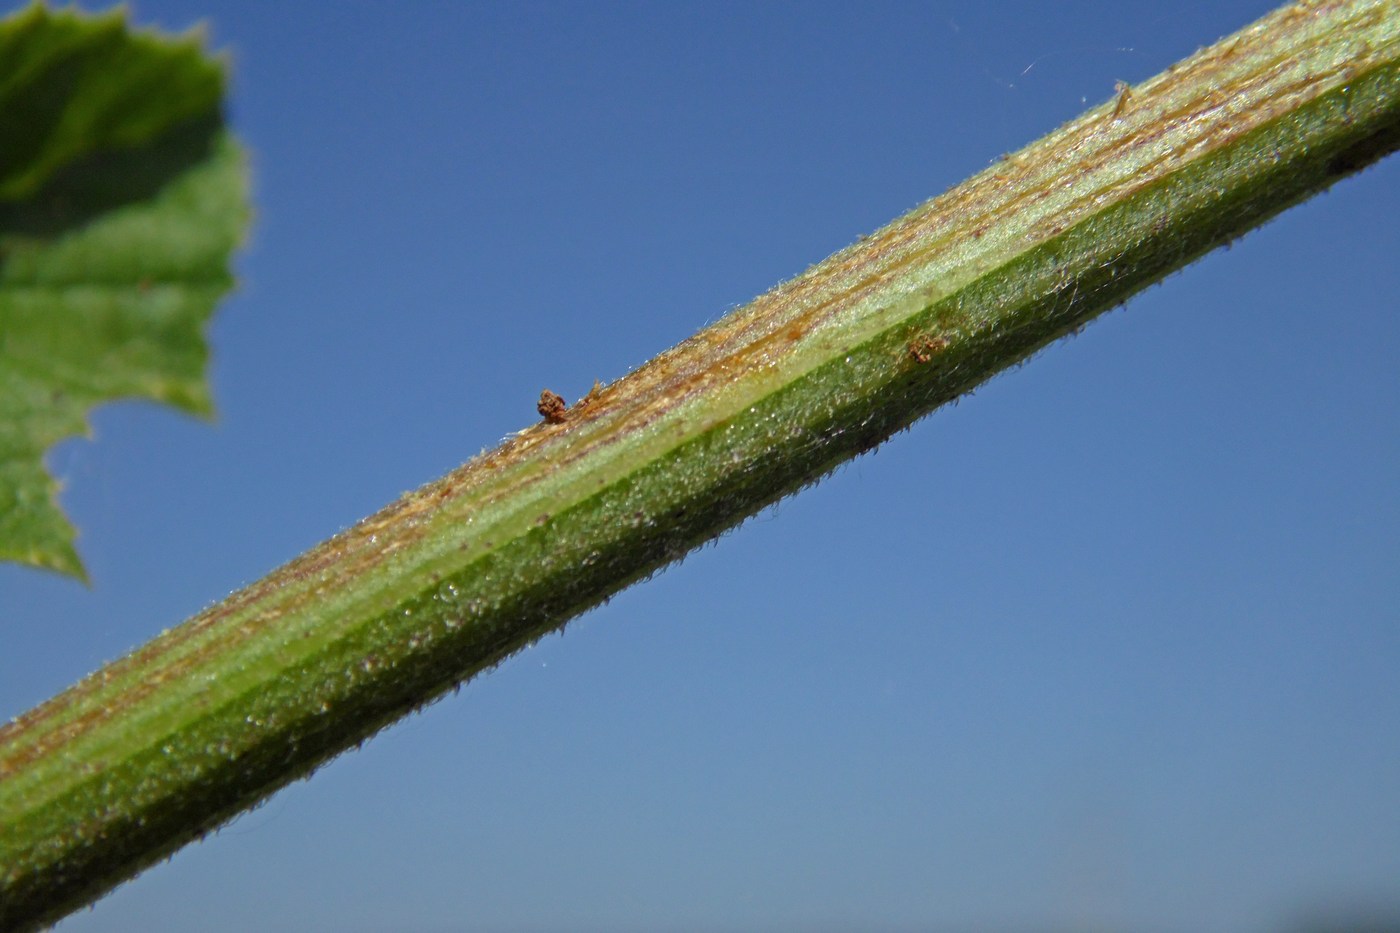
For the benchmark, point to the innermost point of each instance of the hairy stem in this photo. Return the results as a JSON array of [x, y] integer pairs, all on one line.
[[213, 716]]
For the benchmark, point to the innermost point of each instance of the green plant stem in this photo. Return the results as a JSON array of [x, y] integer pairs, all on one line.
[[211, 717]]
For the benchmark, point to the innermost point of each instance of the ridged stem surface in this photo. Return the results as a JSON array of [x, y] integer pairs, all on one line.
[[214, 715]]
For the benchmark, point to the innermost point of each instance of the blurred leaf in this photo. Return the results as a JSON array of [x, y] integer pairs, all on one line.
[[121, 199]]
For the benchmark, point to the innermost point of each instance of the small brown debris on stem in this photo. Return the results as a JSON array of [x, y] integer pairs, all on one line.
[[552, 407], [923, 348]]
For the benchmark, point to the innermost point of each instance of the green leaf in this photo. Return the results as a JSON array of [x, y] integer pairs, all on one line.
[[121, 199]]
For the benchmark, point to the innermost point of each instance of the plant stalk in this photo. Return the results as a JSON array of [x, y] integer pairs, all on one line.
[[211, 717]]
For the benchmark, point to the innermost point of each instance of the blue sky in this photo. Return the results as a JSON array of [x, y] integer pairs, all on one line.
[[1111, 645]]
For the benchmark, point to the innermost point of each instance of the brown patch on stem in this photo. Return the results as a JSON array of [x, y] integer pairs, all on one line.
[[923, 348]]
